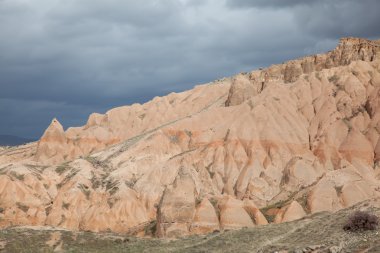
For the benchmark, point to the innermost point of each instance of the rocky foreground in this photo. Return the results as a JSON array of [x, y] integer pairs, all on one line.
[[318, 233], [268, 146]]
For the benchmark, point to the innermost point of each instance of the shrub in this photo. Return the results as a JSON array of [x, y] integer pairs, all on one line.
[[361, 221], [333, 79], [66, 205], [18, 176], [62, 168]]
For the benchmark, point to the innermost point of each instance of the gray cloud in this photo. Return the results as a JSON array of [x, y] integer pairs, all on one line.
[[269, 3], [325, 18], [68, 58], [335, 19]]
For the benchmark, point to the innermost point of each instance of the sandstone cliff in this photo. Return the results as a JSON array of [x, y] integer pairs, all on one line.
[[271, 145]]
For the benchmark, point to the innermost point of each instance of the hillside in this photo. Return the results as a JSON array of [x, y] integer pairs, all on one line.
[[268, 146]]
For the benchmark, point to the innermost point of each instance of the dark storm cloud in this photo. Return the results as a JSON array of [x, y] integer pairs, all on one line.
[[269, 3], [326, 18], [68, 58], [335, 19]]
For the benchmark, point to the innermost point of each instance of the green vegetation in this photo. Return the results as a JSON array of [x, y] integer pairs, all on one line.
[[48, 210], [17, 176], [361, 221], [276, 205], [112, 186], [62, 168], [198, 201], [214, 203], [151, 228], [96, 163], [65, 205], [355, 73], [338, 189], [333, 79], [189, 133], [348, 123], [86, 191], [68, 177]]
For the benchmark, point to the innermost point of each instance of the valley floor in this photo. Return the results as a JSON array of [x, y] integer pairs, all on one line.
[[316, 233]]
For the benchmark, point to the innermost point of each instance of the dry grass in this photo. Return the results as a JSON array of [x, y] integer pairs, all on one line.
[[323, 231]]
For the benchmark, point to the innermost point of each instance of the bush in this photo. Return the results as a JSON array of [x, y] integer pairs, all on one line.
[[361, 221]]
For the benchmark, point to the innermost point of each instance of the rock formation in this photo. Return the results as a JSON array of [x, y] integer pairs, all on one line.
[[271, 145]]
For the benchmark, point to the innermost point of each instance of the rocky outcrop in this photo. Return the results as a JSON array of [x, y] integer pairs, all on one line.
[[293, 139], [291, 212], [241, 89], [324, 197], [348, 50], [126, 122], [205, 219], [255, 213], [377, 151], [177, 208], [53, 144], [232, 214]]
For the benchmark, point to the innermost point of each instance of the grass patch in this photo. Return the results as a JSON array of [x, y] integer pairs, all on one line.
[[348, 123], [111, 184], [62, 168], [151, 228], [322, 229], [142, 116], [198, 201], [98, 164], [17, 176], [189, 133], [23, 207], [86, 191], [114, 190], [214, 203], [276, 205], [338, 189], [303, 202], [333, 79], [72, 173], [37, 168], [65, 205], [67, 178], [111, 201], [48, 210]]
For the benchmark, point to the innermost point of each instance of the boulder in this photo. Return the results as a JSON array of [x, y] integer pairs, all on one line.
[[205, 219], [177, 208], [291, 212]]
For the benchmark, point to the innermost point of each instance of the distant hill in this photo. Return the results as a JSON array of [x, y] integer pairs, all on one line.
[[10, 140]]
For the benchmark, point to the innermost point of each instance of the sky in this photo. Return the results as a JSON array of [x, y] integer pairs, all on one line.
[[69, 58]]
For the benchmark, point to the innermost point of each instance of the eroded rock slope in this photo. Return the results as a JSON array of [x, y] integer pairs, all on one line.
[[270, 145]]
